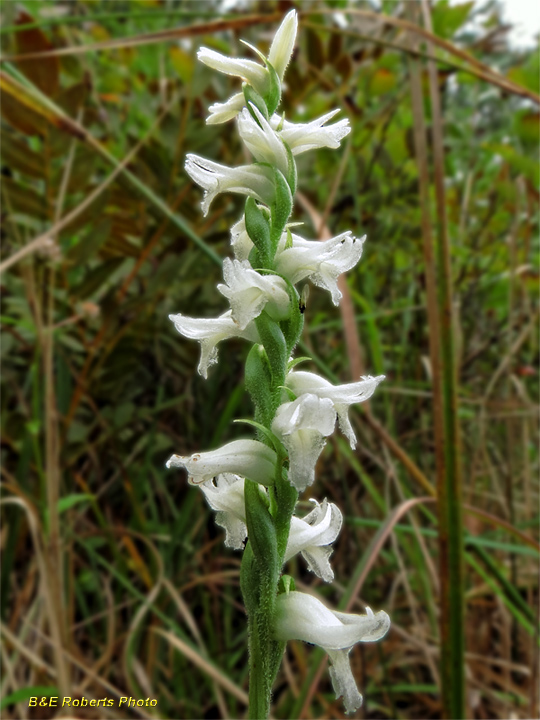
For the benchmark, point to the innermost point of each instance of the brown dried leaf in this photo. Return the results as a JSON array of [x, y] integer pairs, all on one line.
[[44, 73]]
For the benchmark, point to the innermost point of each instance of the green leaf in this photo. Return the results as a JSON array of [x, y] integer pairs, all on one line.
[[92, 241], [25, 693], [292, 177], [281, 207], [97, 277], [182, 62], [296, 361], [258, 380], [268, 434], [69, 501], [258, 229], [293, 325], [252, 96], [286, 584], [273, 96], [261, 533], [275, 345], [447, 19]]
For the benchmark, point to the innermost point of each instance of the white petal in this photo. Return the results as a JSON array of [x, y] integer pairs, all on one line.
[[249, 293], [221, 112], [283, 44], [226, 496], [209, 332], [312, 536], [249, 458], [343, 680], [301, 137], [240, 240], [321, 262], [300, 616], [250, 71], [302, 426], [341, 395], [253, 180], [262, 142]]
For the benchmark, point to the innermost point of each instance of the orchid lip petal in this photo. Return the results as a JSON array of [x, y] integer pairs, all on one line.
[[302, 426], [313, 535]]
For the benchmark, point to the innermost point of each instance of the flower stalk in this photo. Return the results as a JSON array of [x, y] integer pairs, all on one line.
[[253, 484]]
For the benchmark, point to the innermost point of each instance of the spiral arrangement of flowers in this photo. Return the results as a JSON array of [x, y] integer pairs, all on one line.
[[253, 484]]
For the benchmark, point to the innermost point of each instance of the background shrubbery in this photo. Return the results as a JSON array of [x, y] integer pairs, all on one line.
[[118, 561]]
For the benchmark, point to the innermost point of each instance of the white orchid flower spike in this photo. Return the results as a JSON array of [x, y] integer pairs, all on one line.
[[302, 426], [302, 617], [249, 458], [209, 332], [342, 396]]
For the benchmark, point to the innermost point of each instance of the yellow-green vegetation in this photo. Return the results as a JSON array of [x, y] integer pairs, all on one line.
[[115, 583]]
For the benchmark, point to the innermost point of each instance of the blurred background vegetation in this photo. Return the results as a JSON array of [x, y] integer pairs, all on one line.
[[115, 579]]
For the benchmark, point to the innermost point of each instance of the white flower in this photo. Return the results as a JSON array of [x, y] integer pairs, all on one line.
[[283, 44], [249, 458], [256, 75], [241, 242], [221, 112], [302, 426], [302, 617], [301, 137], [262, 142], [341, 395], [253, 180], [253, 73], [226, 496], [320, 262], [312, 536], [209, 332], [249, 292]]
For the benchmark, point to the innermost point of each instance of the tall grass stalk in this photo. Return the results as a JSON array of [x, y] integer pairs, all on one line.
[[439, 310]]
